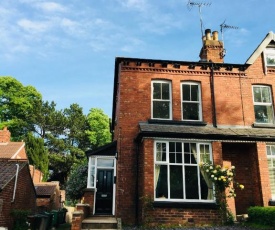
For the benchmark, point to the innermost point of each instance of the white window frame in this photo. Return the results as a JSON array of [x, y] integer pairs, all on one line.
[[271, 166], [199, 102], [169, 100], [167, 163], [93, 164], [270, 104], [269, 53]]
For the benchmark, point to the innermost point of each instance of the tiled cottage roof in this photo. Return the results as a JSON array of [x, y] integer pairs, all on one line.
[[8, 171], [45, 189], [12, 150], [205, 132]]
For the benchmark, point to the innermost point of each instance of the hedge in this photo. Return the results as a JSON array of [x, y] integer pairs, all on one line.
[[262, 215]]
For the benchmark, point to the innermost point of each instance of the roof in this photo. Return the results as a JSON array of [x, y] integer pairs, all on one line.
[[106, 150], [45, 189], [205, 132], [8, 171], [266, 41], [10, 150]]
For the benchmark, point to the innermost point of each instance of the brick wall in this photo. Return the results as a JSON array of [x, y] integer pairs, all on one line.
[[24, 198]]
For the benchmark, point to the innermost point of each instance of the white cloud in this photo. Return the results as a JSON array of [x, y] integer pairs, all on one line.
[[33, 26], [140, 5], [50, 7]]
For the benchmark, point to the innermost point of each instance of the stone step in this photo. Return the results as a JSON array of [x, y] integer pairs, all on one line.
[[100, 223]]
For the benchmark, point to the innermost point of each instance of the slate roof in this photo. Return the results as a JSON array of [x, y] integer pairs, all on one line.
[[8, 171], [206, 132], [106, 150], [8, 150], [45, 189]]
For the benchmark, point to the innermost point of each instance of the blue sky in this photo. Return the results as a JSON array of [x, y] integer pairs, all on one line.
[[66, 48]]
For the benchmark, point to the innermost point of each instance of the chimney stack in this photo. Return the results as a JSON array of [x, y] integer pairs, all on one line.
[[212, 49]]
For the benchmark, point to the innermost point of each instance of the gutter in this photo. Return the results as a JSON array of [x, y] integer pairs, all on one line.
[[15, 183]]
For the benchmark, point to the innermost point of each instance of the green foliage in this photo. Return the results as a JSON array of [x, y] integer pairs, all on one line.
[[17, 106], [99, 128], [37, 153], [77, 182], [262, 215], [20, 219], [223, 178]]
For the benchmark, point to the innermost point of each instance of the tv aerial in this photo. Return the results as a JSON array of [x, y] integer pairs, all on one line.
[[191, 4], [223, 27]]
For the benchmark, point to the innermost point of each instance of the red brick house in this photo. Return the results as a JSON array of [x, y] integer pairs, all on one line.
[[16, 186], [169, 115]]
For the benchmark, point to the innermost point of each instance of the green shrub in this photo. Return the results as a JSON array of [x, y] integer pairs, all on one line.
[[20, 219], [262, 215]]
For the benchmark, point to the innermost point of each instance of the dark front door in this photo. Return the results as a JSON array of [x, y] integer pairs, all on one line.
[[104, 192]]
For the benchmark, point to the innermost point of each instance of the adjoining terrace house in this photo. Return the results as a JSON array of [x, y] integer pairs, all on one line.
[[168, 116]]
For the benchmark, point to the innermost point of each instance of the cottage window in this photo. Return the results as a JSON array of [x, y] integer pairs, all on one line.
[[263, 107], [270, 56], [191, 101], [161, 100], [177, 172], [270, 150]]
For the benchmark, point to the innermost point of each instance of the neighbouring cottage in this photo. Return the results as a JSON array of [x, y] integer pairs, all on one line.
[[168, 116], [48, 196], [16, 186]]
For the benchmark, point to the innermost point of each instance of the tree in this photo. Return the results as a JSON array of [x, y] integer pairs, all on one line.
[[98, 131], [17, 107], [99, 128], [77, 182], [68, 143], [37, 154]]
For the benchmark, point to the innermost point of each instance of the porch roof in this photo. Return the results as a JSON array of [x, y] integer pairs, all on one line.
[[105, 150], [177, 130]]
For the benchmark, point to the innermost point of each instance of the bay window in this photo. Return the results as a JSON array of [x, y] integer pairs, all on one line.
[[178, 176], [270, 151]]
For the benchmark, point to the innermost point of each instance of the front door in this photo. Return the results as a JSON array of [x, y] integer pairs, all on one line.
[[104, 191]]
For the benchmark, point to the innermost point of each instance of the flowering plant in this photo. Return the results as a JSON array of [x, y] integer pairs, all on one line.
[[222, 178]]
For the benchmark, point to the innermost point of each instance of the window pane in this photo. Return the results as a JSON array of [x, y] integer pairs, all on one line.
[[156, 90], [273, 150], [161, 109], [175, 152], [105, 162], [165, 91], [206, 186], [161, 152], [266, 94], [92, 176], [190, 111], [194, 93], [257, 94], [263, 113], [186, 92], [161, 181], [191, 182], [176, 182]]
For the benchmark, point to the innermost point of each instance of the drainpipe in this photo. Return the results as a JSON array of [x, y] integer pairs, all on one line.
[[214, 116], [15, 183]]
